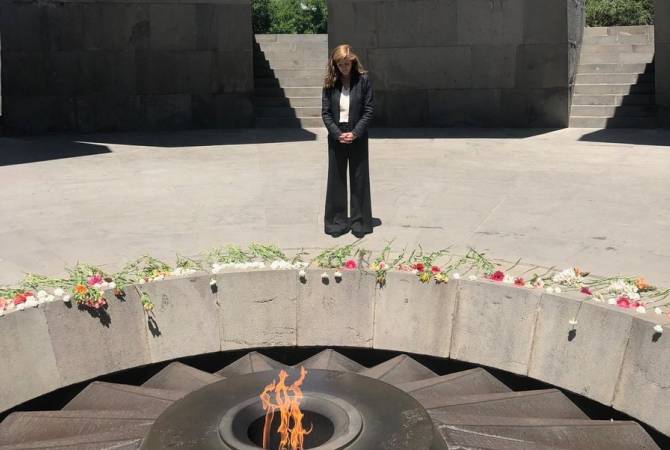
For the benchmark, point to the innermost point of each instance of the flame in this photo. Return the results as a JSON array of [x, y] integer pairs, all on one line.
[[287, 402]]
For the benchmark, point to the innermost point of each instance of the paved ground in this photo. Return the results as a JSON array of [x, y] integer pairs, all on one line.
[[596, 199]]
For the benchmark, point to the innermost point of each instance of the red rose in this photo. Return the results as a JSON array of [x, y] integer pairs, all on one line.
[[20, 298], [623, 302], [435, 269], [585, 290], [519, 281], [418, 266], [350, 264], [498, 275]]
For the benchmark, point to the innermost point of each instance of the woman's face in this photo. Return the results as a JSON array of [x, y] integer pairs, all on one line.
[[344, 66]]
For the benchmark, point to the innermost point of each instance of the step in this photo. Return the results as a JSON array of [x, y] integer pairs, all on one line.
[[547, 403], [614, 78], [47, 425], [180, 377], [616, 58], [613, 99], [613, 122], [615, 68], [268, 82], [401, 369], [250, 363], [532, 433], [112, 396], [123, 439], [308, 91], [613, 111], [643, 39], [299, 53], [288, 64], [291, 38], [594, 89], [331, 360], [294, 102], [283, 111], [289, 122], [588, 49], [608, 31], [293, 73], [467, 382]]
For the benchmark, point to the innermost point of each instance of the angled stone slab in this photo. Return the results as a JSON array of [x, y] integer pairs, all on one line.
[[180, 377], [258, 309], [466, 382], [644, 384], [401, 369], [88, 344], [250, 363], [331, 360], [414, 317], [29, 364], [494, 325], [185, 319], [585, 358], [336, 313]]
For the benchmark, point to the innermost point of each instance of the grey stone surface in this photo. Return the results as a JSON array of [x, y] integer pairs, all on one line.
[[494, 325], [338, 313], [541, 66], [564, 355], [414, 317], [482, 22], [643, 384], [86, 346], [59, 57], [185, 320], [464, 107], [29, 363], [258, 309]]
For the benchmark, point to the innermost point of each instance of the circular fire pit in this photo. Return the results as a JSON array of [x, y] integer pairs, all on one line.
[[344, 411]]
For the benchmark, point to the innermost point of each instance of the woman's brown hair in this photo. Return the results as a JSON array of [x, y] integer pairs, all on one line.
[[340, 53]]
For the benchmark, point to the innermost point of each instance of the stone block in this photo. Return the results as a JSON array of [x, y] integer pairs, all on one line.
[[401, 108], [484, 22], [39, 114], [542, 66], [424, 22], [64, 24], [545, 22], [662, 76], [464, 107], [112, 72], [232, 28], [258, 309], [24, 73], [185, 320], [18, 22], [662, 21], [643, 391], [173, 26], [167, 111], [223, 111], [109, 112], [29, 365], [232, 72], [190, 72], [336, 313], [63, 73], [422, 67], [414, 317], [537, 108], [584, 358], [87, 345], [493, 66], [354, 23], [494, 325], [116, 26]]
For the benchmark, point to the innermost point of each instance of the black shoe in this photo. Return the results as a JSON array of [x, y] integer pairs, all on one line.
[[358, 234], [337, 234], [376, 221]]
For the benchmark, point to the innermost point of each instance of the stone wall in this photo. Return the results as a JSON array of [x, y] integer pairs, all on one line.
[[662, 60], [464, 62], [611, 355], [126, 64]]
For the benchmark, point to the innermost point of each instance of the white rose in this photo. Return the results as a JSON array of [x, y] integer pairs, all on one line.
[[324, 276], [573, 321], [212, 282], [658, 329], [50, 298], [641, 309], [338, 274], [41, 294], [302, 273], [58, 292], [550, 290], [456, 276], [657, 310], [557, 290], [66, 298]]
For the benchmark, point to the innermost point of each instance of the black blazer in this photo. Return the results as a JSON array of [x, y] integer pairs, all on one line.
[[361, 106]]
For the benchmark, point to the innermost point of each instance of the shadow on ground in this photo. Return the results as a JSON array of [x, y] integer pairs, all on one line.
[[457, 133], [22, 151], [660, 137]]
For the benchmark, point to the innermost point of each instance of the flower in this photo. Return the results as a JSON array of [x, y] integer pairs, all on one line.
[[41, 294], [441, 278], [59, 292], [212, 281], [95, 279], [457, 276], [623, 302], [3, 303], [435, 269], [573, 321], [611, 301], [658, 328], [641, 309], [350, 264], [20, 298], [302, 273], [471, 277], [80, 289], [557, 289], [585, 290], [418, 266], [641, 284], [66, 298], [50, 298], [424, 277], [518, 281], [338, 274], [382, 265], [658, 311], [324, 276], [550, 290], [498, 275], [508, 279]]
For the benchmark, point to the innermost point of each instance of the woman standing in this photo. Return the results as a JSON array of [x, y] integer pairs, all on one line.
[[347, 105]]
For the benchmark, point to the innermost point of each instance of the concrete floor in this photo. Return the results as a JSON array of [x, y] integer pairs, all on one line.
[[598, 199]]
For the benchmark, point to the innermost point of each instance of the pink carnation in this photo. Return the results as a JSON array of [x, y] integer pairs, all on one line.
[[623, 302], [95, 279], [350, 264], [498, 275]]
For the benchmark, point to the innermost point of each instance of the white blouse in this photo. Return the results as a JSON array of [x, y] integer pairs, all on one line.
[[344, 105]]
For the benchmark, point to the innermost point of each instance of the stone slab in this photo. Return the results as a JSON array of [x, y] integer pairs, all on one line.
[[258, 309], [116, 26], [185, 320], [86, 346], [464, 107], [547, 107], [336, 313], [355, 23], [644, 390], [542, 66], [29, 366], [426, 22], [173, 26], [494, 325], [414, 317], [484, 22], [565, 355], [494, 66], [545, 22]]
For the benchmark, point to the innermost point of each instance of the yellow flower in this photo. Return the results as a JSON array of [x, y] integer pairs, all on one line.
[[374, 267], [424, 277], [441, 278]]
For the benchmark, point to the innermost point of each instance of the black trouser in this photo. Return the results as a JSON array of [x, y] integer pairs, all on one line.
[[336, 220]]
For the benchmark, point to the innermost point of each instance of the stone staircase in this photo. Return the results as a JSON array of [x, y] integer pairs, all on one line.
[[614, 87], [288, 77], [471, 409]]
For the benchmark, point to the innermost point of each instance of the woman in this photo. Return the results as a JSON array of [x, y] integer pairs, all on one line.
[[347, 105]]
